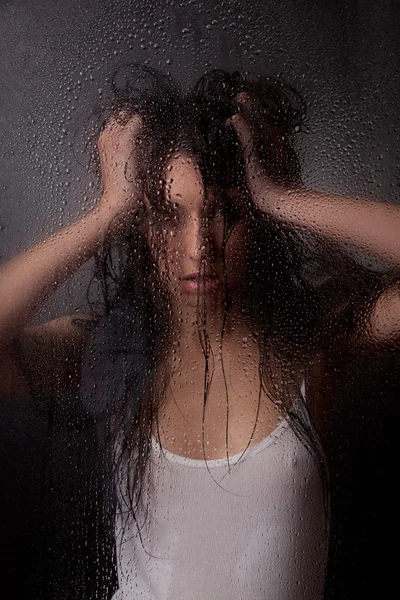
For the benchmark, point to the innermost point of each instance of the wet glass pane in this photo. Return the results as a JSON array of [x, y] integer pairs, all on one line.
[[199, 298]]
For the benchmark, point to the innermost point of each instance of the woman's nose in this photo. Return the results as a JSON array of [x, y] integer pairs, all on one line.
[[198, 239], [194, 239]]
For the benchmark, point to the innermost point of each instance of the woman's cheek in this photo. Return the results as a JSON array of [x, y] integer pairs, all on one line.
[[173, 251]]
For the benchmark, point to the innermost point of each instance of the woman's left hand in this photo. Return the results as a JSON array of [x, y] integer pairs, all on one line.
[[265, 193]]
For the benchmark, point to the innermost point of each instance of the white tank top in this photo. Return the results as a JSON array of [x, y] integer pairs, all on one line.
[[257, 532]]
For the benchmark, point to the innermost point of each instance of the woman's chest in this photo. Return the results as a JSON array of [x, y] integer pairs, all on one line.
[[217, 530], [228, 417]]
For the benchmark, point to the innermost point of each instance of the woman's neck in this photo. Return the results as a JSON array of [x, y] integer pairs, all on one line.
[[194, 340]]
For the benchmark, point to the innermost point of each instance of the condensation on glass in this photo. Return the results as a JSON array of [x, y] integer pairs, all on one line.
[[200, 311]]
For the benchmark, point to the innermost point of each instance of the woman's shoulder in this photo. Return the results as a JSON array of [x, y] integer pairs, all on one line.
[[48, 355]]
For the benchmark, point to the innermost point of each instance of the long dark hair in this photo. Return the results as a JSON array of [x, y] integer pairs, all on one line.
[[302, 295]]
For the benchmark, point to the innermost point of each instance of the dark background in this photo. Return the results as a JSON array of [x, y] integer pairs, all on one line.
[[56, 62]]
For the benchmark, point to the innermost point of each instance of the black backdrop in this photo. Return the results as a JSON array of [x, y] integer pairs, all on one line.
[[56, 62]]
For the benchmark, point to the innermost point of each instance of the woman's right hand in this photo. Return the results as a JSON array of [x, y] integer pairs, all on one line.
[[121, 145]]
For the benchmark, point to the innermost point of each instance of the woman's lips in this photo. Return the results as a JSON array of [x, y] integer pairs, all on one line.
[[192, 285]]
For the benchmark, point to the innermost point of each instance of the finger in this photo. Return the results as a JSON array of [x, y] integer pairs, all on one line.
[[134, 123], [243, 131], [121, 122], [244, 98], [252, 160]]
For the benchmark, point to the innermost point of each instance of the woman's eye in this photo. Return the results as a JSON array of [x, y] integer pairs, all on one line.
[[171, 211]]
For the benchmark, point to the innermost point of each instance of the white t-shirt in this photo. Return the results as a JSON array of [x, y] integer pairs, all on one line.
[[256, 532]]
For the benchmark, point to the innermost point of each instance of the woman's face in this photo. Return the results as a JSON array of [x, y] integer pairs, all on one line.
[[192, 225]]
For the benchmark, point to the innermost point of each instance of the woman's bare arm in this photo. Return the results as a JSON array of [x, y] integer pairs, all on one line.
[[29, 279], [367, 225]]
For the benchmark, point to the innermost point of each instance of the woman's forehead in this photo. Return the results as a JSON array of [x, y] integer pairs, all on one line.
[[182, 168], [184, 182]]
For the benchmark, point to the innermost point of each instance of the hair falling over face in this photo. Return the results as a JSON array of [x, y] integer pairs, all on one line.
[[246, 272]]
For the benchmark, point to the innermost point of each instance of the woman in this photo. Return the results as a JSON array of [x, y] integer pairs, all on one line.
[[228, 301]]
